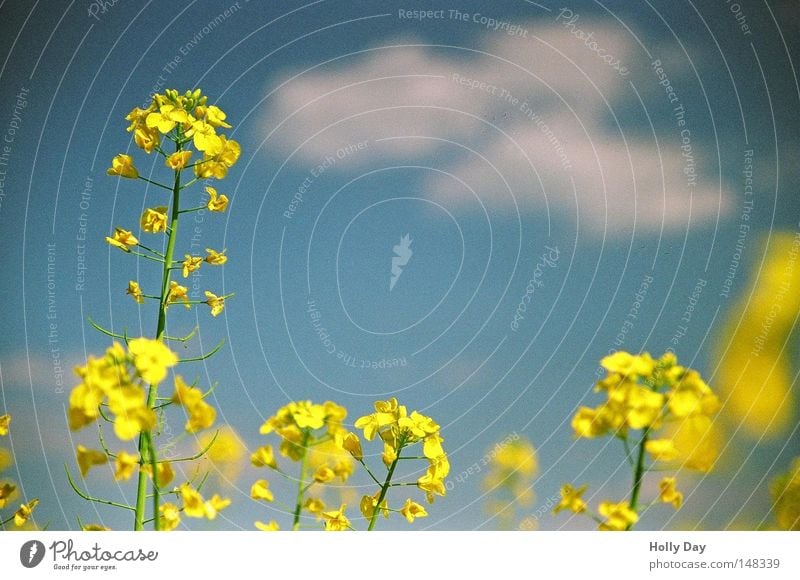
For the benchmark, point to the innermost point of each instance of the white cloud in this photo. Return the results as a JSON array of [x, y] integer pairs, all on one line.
[[565, 134]]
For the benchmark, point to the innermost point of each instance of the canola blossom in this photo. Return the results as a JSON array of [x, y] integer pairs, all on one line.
[[650, 405]]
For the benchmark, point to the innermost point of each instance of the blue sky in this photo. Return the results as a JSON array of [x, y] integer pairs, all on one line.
[[489, 148]]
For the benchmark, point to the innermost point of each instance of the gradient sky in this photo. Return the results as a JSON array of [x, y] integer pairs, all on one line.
[[386, 122]]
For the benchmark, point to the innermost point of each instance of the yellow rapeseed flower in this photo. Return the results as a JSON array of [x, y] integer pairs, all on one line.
[[154, 220], [618, 516], [216, 117], [152, 359], [122, 165], [6, 493], [124, 465], [662, 449], [178, 160], [336, 521], [412, 510], [5, 421], [216, 258], [668, 493], [264, 457], [271, 526], [216, 303], [785, 492], [24, 512], [146, 139], [260, 490], [88, 458], [122, 239], [178, 292], [217, 203], [170, 516], [571, 499], [135, 291], [191, 264]]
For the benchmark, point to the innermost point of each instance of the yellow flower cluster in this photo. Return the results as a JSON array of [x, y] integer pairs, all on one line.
[[399, 429], [117, 380], [183, 119], [315, 436], [641, 393], [645, 394], [308, 433], [785, 491]]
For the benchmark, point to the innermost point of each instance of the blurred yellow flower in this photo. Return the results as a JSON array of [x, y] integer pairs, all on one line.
[[24, 512], [271, 526], [668, 493], [260, 490], [264, 457], [315, 506], [756, 371], [629, 365], [618, 516], [152, 359], [698, 442], [661, 449], [785, 492], [201, 414], [5, 421], [88, 458], [170, 516], [226, 452], [124, 465], [324, 474], [6, 493], [571, 499]]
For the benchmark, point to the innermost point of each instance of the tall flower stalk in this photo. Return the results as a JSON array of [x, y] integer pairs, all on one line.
[[126, 380], [644, 398]]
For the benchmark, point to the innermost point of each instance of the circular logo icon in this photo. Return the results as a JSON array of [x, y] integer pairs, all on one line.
[[31, 553]]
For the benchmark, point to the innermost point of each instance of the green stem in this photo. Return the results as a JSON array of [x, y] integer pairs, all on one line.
[[638, 474], [153, 182], [385, 487], [298, 507], [147, 450], [191, 209]]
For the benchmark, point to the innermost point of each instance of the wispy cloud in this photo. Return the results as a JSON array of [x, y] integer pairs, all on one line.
[[528, 123]]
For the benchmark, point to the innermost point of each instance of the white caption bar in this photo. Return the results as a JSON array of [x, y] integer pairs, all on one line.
[[390, 555]]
